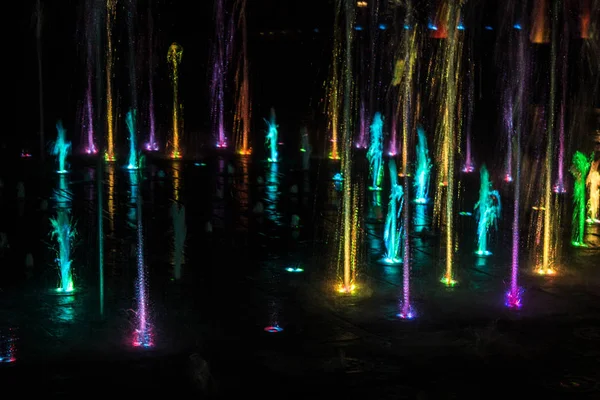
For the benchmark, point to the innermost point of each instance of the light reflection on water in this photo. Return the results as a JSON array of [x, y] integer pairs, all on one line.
[[272, 194]]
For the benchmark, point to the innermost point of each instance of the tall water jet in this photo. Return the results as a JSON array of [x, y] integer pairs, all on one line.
[[39, 12], [179, 234], [487, 212], [88, 104], [593, 184], [514, 294], [350, 216], [243, 108], [131, 120], [143, 336], [174, 59], [152, 144], [508, 120], [271, 138], [131, 9], [375, 152], [220, 56], [61, 148], [449, 64], [559, 186], [410, 51], [423, 168], [580, 169], [548, 250], [469, 165], [334, 98], [63, 231], [363, 130], [393, 231], [111, 15]]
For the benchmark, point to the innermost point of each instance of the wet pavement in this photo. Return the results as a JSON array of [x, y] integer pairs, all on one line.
[[207, 324]]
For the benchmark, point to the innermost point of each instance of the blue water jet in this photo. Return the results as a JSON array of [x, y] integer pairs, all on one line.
[[375, 152], [131, 120], [487, 212], [423, 168], [271, 138], [392, 235], [61, 148]]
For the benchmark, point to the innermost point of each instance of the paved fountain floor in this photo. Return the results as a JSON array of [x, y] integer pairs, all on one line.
[[463, 344]]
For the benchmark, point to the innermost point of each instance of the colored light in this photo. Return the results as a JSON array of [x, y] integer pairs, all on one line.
[[294, 269], [273, 329], [517, 26]]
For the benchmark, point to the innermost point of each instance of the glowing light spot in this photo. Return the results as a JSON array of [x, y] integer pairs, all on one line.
[[517, 26], [273, 329], [488, 28], [294, 269]]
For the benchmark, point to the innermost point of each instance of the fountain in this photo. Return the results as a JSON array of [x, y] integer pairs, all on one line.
[[111, 15], [580, 168], [393, 232], [363, 132], [88, 106], [174, 59], [271, 138], [334, 98], [242, 118], [423, 168], [487, 212], [469, 165], [375, 152], [131, 120], [61, 148], [593, 183], [63, 230], [221, 55], [152, 144], [513, 297], [350, 227], [180, 232]]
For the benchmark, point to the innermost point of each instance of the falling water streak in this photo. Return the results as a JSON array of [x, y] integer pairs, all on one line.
[[111, 14], [333, 89], [174, 59], [218, 76], [151, 145], [89, 106], [243, 106], [559, 187], [548, 228], [131, 121], [131, 36]]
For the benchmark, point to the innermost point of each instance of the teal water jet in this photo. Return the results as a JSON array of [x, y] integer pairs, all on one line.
[[375, 152], [61, 148], [392, 235], [579, 169], [487, 212], [271, 138], [63, 231], [131, 120], [423, 168]]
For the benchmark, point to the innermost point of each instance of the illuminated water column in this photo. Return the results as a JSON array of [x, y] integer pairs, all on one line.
[[221, 55], [559, 186], [449, 61], [111, 197], [411, 51], [243, 103], [111, 15], [174, 59], [580, 169], [152, 144], [179, 224], [548, 250], [333, 89], [88, 104], [63, 231], [593, 184], [350, 226], [61, 148]]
